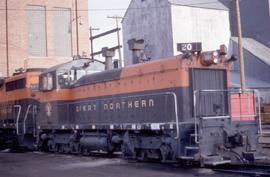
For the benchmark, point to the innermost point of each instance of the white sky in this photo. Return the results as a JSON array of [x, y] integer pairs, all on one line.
[[99, 10]]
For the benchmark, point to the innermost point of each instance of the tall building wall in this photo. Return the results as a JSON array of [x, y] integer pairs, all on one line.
[[163, 24], [211, 27], [255, 19], [149, 20], [39, 32]]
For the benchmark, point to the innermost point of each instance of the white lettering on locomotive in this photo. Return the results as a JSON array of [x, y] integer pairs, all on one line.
[[116, 105], [86, 107], [129, 105]]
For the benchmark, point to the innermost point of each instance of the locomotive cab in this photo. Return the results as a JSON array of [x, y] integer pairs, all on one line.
[[65, 75], [18, 109]]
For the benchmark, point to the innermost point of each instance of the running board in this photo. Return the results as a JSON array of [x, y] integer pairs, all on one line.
[[187, 158], [216, 163]]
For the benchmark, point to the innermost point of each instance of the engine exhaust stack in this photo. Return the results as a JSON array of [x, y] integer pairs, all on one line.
[[108, 54], [136, 46]]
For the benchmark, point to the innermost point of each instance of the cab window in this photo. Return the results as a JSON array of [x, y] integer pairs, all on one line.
[[69, 77], [47, 82], [17, 84], [63, 78], [2, 82]]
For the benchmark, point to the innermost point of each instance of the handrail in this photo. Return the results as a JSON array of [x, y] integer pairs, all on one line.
[[176, 114], [18, 117], [195, 115], [25, 118], [257, 112]]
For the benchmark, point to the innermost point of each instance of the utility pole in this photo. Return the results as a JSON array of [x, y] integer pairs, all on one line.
[[117, 18], [7, 49], [77, 27], [240, 47], [91, 41]]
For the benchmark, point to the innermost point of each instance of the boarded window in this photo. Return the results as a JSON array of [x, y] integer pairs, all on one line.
[[62, 32], [36, 31]]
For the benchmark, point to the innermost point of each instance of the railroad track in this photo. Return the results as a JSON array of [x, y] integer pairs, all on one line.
[[257, 170]]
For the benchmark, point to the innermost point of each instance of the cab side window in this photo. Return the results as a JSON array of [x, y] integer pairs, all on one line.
[[17, 84], [69, 77], [2, 83], [47, 82], [63, 78]]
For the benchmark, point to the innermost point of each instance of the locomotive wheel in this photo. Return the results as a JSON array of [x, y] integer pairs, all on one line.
[[74, 148], [127, 153], [141, 155], [165, 152], [59, 148], [85, 151]]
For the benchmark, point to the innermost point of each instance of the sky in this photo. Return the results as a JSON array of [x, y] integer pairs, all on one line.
[[99, 10]]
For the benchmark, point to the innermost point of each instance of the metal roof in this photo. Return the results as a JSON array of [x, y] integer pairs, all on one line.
[[67, 65], [256, 48], [208, 4], [251, 83]]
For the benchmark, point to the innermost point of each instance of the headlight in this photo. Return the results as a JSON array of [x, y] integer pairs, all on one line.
[[215, 61], [209, 58], [215, 54]]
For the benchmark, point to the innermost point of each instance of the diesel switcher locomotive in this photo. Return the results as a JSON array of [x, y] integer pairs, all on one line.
[[171, 110]]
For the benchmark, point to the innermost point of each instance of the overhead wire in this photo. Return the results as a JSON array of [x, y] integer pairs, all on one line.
[[108, 9]]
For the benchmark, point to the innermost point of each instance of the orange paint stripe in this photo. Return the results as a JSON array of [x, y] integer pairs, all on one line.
[[156, 75], [24, 93]]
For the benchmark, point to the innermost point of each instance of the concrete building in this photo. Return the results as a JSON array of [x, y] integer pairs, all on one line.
[[164, 23], [255, 19], [38, 33], [257, 66]]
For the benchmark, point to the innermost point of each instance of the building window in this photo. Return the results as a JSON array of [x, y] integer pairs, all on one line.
[[37, 44], [62, 32]]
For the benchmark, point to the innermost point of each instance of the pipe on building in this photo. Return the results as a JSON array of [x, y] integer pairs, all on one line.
[[77, 26], [7, 51]]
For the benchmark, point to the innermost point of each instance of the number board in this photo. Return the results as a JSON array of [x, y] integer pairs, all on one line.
[[189, 47]]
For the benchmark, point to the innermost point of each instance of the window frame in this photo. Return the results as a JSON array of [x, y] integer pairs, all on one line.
[[45, 31]]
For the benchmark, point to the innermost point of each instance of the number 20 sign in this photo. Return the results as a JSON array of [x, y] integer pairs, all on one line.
[[189, 47]]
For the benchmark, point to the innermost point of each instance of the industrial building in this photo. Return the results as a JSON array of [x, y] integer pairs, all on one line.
[[163, 24], [256, 44], [40, 34]]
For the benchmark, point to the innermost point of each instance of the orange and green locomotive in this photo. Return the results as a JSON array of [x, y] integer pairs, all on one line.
[[19, 103], [174, 109]]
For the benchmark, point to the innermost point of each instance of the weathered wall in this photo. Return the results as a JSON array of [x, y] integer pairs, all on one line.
[[149, 20], [255, 19], [254, 67], [163, 25], [209, 26], [18, 33]]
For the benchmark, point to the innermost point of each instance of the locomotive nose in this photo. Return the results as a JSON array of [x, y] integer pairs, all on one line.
[[241, 144]]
